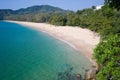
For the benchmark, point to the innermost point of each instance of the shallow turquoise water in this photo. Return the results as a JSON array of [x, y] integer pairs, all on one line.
[[27, 54]]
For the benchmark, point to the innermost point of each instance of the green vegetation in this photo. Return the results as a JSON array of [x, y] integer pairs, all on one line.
[[113, 3], [107, 55], [107, 52], [58, 19], [34, 14], [105, 21]]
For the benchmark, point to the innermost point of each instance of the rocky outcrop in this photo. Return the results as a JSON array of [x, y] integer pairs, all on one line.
[[91, 74]]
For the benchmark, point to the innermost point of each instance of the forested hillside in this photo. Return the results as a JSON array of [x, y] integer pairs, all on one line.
[[35, 13], [107, 52]]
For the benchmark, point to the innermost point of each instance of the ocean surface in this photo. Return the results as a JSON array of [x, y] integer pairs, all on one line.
[[27, 54]]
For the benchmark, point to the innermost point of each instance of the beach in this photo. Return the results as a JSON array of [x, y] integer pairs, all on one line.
[[80, 39]]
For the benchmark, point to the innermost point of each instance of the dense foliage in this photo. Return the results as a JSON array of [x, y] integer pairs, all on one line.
[[107, 55], [113, 3]]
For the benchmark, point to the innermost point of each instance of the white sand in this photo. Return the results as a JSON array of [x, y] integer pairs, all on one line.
[[83, 40]]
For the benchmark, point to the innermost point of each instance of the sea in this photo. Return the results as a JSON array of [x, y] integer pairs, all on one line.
[[28, 54]]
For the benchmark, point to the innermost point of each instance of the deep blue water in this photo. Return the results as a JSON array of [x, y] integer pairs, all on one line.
[[27, 54]]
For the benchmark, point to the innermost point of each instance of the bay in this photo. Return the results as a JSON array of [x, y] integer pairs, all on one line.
[[27, 54]]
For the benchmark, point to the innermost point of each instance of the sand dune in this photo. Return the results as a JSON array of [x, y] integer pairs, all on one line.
[[82, 40]]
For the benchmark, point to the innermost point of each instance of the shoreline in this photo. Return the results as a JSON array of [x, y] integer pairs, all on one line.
[[82, 40]]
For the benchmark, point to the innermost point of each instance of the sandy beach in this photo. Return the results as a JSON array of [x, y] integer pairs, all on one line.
[[80, 39]]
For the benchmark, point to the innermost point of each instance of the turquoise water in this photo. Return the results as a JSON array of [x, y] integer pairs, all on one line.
[[27, 54]]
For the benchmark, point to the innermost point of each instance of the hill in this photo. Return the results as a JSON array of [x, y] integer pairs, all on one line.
[[38, 9]]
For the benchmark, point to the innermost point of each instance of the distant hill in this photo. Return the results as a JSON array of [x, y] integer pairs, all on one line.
[[32, 10], [39, 9], [5, 12]]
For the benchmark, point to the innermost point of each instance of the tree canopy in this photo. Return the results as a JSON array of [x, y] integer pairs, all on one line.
[[107, 55], [113, 3]]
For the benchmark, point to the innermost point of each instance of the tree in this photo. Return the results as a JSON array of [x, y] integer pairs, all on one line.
[[93, 7], [113, 3], [58, 19], [74, 20], [107, 55]]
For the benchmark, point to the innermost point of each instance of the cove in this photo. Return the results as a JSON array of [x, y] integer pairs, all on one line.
[[28, 54]]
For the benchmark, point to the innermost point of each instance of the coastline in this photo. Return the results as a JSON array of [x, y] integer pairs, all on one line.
[[80, 39]]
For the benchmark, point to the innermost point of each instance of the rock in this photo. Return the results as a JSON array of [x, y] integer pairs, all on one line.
[[91, 74], [78, 76]]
